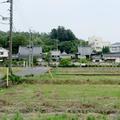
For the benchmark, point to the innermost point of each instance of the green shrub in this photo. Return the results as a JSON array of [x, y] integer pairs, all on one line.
[[65, 62], [14, 78], [83, 60]]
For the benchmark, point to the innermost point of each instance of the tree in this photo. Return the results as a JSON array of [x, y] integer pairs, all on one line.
[[62, 34], [19, 40], [4, 39], [105, 50], [68, 47], [48, 58]]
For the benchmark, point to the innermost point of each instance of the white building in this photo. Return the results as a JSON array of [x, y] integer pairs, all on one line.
[[115, 48], [97, 43], [64, 55], [55, 55], [3, 53]]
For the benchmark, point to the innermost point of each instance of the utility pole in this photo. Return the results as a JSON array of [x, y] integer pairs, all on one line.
[[10, 32], [10, 36], [30, 50]]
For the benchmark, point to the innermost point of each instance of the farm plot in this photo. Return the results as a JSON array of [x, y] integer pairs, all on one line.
[[79, 76], [55, 93]]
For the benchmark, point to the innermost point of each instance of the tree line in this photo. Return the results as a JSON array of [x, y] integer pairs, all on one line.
[[59, 38]]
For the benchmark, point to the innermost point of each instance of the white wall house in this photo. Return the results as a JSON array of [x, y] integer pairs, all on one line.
[[3, 53], [97, 43], [64, 55], [115, 48], [55, 55]]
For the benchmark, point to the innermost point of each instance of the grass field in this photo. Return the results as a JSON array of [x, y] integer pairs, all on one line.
[[3, 70], [71, 97], [73, 76]]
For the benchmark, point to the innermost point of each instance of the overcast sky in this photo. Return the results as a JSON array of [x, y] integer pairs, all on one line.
[[84, 17]]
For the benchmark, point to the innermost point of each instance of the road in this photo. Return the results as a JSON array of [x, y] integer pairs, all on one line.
[[32, 71]]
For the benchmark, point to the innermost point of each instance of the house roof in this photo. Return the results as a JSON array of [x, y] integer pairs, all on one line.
[[3, 49], [26, 51], [64, 53], [111, 55], [116, 44], [85, 51], [55, 53]]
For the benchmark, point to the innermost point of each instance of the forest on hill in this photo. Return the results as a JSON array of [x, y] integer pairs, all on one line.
[[58, 38]]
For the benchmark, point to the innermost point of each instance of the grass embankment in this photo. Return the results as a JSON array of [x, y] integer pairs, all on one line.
[[90, 94], [79, 76], [3, 70]]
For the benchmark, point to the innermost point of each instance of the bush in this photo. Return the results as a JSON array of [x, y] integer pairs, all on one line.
[[15, 79], [83, 60], [65, 62]]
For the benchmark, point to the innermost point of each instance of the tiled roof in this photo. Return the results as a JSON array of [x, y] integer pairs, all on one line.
[[117, 44], [26, 51], [85, 51]]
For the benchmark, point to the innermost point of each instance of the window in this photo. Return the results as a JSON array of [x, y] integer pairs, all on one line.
[[1, 53]]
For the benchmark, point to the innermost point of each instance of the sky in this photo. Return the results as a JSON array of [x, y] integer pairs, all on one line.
[[85, 18]]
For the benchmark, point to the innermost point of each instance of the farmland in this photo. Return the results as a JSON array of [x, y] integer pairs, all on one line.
[[76, 92]]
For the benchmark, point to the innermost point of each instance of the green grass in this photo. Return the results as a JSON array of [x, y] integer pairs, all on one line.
[[18, 116], [62, 76], [3, 70], [55, 98], [66, 94], [56, 116], [88, 70]]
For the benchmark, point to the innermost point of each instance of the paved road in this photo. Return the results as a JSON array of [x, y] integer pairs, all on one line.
[[34, 71]]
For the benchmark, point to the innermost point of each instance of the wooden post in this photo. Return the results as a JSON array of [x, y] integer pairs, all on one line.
[[7, 77], [50, 73]]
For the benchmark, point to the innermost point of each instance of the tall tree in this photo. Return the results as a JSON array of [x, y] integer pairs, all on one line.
[[62, 34], [105, 50]]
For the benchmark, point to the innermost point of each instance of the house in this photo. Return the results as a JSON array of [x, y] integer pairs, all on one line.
[[112, 57], [55, 54], [28, 53], [25, 52], [108, 57], [115, 48], [3, 53], [84, 52], [97, 58], [97, 43], [64, 55]]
